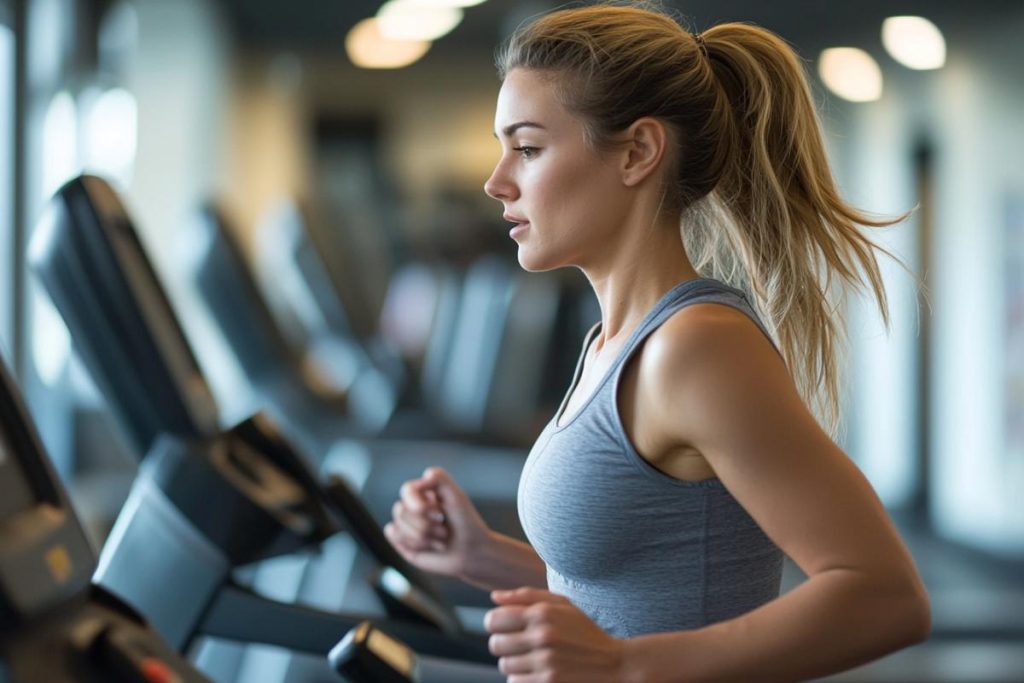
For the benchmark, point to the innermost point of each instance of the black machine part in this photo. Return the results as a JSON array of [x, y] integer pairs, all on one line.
[[409, 593], [55, 626], [241, 615], [88, 256], [45, 558], [252, 495], [404, 589], [94, 639], [246, 490], [367, 654]]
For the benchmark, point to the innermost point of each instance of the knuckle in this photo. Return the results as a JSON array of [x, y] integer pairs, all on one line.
[[546, 636], [546, 659], [541, 611]]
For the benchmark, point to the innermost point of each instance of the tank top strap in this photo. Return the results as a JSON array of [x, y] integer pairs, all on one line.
[[686, 293]]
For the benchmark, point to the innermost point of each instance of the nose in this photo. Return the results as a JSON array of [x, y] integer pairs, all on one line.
[[499, 186]]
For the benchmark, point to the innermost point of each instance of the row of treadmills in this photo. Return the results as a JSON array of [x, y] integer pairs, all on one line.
[[253, 552]]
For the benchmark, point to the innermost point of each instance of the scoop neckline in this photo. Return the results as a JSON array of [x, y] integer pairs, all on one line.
[[658, 306]]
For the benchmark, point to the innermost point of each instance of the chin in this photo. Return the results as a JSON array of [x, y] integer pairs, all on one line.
[[532, 261]]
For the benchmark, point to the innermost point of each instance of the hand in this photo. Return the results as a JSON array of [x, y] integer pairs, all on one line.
[[435, 526], [541, 637]]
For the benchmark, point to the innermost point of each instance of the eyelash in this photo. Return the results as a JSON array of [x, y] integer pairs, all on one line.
[[526, 151]]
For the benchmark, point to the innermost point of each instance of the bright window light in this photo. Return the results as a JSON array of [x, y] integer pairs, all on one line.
[[60, 143], [914, 42], [412, 20], [851, 73], [111, 134], [51, 341], [367, 47]]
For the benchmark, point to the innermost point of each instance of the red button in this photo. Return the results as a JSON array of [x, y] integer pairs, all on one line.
[[155, 671]]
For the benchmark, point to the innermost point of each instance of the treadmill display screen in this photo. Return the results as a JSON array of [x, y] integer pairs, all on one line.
[[164, 326], [16, 495]]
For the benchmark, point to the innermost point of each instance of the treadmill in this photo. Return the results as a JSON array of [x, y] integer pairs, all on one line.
[[502, 324], [55, 625], [488, 473], [487, 378], [89, 259], [105, 287], [303, 295]]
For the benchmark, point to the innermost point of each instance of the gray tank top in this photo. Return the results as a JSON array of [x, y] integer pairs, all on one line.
[[635, 549]]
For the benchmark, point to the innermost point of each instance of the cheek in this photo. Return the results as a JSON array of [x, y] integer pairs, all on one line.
[[585, 202], [573, 191]]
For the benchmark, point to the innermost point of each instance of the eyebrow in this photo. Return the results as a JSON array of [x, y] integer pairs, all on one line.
[[508, 130]]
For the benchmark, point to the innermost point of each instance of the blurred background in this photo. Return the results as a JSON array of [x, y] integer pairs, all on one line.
[[284, 113]]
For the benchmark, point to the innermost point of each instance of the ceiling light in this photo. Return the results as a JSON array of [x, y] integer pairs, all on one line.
[[369, 48], [412, 20], [914, 42], [850, 73]]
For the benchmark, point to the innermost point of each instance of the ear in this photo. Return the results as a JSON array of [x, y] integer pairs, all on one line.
[[644, 145]]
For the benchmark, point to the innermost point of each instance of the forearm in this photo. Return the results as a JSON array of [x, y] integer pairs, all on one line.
[[505, 562], [832, 622]]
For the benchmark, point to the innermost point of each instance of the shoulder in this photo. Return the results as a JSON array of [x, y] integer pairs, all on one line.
[[707, 333], [710, 364]]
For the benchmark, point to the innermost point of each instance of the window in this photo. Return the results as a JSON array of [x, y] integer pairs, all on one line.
[[51, 135], [7, 93]]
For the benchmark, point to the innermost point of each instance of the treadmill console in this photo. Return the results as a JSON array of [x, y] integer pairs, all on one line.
[[55, 626]]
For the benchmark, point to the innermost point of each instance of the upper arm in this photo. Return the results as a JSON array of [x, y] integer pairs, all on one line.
[[724, 390]]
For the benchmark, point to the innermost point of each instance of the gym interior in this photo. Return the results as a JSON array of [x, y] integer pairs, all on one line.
[[240, 241]]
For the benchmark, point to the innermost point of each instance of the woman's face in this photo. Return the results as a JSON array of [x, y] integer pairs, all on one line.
[[564, 199]]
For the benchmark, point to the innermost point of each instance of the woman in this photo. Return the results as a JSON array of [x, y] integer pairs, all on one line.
[[686, 457]]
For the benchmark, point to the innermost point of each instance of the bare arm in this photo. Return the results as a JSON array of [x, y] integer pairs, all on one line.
[[504, 563], [727, 393]]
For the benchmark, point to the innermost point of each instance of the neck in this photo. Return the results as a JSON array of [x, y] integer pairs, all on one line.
[[634, 275]]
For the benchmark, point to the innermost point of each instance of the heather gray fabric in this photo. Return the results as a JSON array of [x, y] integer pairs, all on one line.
[[637, 550]]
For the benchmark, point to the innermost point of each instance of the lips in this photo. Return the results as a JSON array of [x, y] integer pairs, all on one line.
[[520, 227]]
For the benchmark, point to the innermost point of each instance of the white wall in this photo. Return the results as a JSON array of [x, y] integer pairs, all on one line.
[[181, 76], [972, 108], [881, 402], [269, 138], [979, 105]]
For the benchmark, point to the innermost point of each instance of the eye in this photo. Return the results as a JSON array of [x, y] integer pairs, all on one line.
[[527, 152]]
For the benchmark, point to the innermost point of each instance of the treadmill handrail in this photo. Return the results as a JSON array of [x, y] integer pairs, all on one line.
[[240, 614]]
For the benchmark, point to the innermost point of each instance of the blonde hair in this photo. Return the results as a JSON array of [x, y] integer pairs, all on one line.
[[751, 183]]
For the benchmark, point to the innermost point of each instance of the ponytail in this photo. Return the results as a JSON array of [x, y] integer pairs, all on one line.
[[779, 229]]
